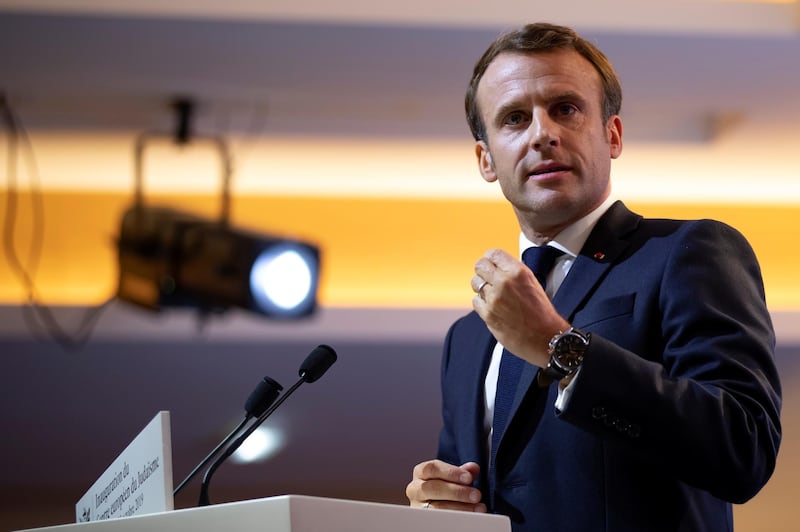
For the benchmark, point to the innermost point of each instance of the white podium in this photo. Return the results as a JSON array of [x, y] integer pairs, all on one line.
[[297, 513]]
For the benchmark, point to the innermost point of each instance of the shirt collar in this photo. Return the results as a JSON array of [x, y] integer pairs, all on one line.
[[573, 237]]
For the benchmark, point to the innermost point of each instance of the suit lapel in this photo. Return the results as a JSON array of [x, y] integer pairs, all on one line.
[[605, 245]]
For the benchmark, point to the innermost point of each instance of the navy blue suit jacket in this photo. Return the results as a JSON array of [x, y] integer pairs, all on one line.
[[675, 413]]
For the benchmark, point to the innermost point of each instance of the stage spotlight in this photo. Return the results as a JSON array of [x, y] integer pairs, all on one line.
[[169, 258]]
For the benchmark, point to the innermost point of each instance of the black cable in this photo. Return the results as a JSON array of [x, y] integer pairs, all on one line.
[[26, 272]]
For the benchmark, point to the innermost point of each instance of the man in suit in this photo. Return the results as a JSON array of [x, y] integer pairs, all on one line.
[[646, 394]]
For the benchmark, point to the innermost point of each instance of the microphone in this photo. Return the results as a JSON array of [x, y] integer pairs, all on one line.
[[262, 397], [317, 363], [257, 403], [313, 367]]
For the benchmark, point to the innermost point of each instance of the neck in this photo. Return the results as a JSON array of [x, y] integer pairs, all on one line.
[[538, 233], [540, 230], [540, 238]]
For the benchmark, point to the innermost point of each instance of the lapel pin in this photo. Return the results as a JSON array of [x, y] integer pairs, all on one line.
[[599, 255]]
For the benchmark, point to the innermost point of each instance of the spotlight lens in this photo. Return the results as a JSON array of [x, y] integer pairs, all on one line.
[[282, 279]]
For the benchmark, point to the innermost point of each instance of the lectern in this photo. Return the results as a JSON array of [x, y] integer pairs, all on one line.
[[297, 513]]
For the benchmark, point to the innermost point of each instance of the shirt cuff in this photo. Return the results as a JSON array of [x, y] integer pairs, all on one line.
[[564, 394]]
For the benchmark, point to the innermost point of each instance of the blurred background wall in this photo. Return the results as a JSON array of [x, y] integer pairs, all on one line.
[[345, 124]]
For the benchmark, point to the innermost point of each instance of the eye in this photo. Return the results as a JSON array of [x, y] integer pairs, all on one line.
[[565, 109], [514, 118]]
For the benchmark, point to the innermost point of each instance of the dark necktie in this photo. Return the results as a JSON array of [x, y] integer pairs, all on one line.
[[540, 260]]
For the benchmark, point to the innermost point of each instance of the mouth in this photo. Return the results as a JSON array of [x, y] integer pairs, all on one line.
[[549, 169]]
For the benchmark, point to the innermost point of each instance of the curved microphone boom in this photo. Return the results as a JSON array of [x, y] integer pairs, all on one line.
[[257, 403], [313, 367]]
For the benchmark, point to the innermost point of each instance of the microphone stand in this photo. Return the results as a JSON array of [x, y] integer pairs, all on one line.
[[257, 403], [312, 368], [210, 455], [204, 497]]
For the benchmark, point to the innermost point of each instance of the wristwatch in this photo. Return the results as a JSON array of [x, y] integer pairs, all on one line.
[[566, 350]]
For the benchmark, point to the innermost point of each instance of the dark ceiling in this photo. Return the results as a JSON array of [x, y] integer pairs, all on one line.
[[265, 77]]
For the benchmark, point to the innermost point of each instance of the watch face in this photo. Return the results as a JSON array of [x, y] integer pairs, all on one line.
[[569, 351]]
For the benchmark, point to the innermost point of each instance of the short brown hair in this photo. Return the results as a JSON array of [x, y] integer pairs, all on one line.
[[543, 37]]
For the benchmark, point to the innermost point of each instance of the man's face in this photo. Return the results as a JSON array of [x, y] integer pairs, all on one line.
[[547, 144]]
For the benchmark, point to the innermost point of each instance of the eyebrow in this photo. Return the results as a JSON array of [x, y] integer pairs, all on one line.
[[569, 96], [515, 104]]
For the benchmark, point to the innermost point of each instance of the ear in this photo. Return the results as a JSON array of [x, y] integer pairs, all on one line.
[[614, 133], [485, 163]]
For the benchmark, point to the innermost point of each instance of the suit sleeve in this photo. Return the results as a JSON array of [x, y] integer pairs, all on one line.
[[695, 389]]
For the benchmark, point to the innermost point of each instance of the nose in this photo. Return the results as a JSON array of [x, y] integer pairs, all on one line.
[[543, 131]]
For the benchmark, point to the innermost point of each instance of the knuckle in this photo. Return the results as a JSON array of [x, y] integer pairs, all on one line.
[[427, 470]]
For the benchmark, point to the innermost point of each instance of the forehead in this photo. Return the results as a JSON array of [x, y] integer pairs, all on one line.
[[538, 73]]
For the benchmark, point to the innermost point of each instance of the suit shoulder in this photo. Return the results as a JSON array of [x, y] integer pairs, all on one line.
[[682, 229], [699, 229]]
